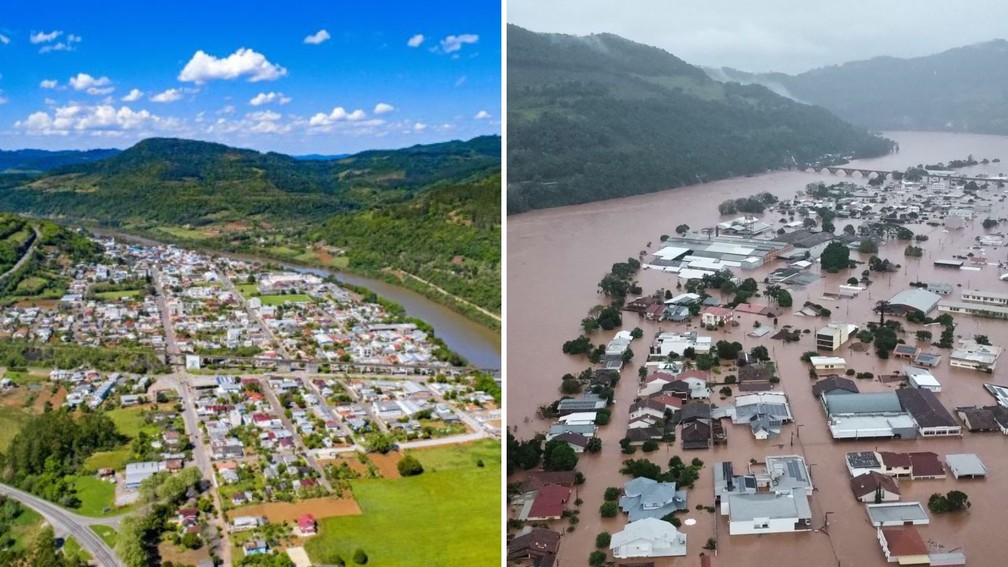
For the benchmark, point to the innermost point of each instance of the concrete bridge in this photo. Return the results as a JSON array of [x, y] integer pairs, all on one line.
[[886, 174]]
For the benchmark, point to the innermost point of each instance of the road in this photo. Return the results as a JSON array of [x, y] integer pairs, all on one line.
[[253, 313], [24, 257], [171, 343], [68, 523], [201, 458], [489, 314], [278, 409]]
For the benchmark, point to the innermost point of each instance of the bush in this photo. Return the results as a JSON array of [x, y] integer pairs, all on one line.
[[597, 559], [409, 466], [602, 540], [609, 509], [611, 494], [649, 446], [359, 557]]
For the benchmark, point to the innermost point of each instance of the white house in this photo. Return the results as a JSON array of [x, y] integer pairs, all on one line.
[[649, 537], [975, 356], [824, 363], [714, 316], [769, 512], [920, 378]]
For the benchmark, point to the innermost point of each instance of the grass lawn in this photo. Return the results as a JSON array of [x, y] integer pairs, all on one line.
[[247, 289], [95, 496], [281, 299], [73, 549], [108, 459], [119, 294], [24, 528], [284, 251], [107, 534], [185, 233], [420, 511], [130, 421]]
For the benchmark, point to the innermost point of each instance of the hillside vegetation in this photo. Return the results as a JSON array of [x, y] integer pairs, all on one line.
[[598, 117], [960, 90], [432, 211]]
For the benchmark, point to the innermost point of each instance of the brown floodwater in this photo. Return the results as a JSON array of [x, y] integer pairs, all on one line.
[[557, 256]]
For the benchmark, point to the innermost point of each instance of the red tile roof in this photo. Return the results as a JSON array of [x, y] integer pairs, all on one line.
[[549, 502], [903, 541]]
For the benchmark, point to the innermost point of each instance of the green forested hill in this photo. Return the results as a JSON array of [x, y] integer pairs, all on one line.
[[598, 117], [432, 211], [960, 90]]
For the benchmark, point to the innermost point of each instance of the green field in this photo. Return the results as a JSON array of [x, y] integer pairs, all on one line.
[[119, 294], [130, 421], [24, 528], [95, 496], [107, 534], [184, 233], [420, 511], [281, 299], [11, 419], [247, 289], [108, 459], [73, 549]]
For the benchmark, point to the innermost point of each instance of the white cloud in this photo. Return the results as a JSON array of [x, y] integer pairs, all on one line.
[[269, 98], [482, 115], [419, 127], [383, 108], [241, 63], [100, 91], [44, 37], [460, 81], [229, 109], [48, 38], [96, 119], [3, 99], [338, 114], [170, 95], [317, 37], [4, 39], [455, 42], [49, 83], [133, 96], [416, 40], [83, 82]]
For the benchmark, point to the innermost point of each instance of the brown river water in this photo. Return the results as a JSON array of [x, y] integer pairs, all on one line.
[[557, 256]]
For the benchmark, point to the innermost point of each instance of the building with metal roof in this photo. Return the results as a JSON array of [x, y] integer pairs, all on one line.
[[769, 512], [647, 498], [966, 465], [897, 514], [913, 300], [649, 537]]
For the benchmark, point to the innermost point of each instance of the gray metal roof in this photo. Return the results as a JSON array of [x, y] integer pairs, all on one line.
[[863, 403], [746, 507], [897, 513], [917, 298]]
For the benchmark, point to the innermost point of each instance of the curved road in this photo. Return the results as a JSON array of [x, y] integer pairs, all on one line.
[[24, 257], [68, 523]]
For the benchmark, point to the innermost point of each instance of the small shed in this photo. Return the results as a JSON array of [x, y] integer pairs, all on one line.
[[966, 465]]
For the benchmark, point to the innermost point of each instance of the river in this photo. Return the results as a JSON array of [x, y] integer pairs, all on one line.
[[479, 345], [557, 256]]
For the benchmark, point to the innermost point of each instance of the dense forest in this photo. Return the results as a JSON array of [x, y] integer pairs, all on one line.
[[961, 90], [432, 211], [43, 160], [597, 117]]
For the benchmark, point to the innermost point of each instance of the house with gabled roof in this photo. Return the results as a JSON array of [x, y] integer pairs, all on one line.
[[647, 498], [875, 487], [648, 537]]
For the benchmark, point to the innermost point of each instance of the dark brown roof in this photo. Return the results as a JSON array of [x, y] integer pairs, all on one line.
[[926, 464], [867, 483], [572, 438], [537, 480], [925, 408], [754, 372], [641, 434], [978, 419], [537, 543], [695, 433], [755, 386], [833, 382], [894, 460]]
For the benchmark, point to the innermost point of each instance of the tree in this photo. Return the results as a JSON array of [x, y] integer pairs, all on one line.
[[784, 298], [649, 446], [589, 325], [637, 333], [609, 509], [868, 245], [852, 281], [835, 257], [594, 445], [359, 557], [849, 229], [924, 335], [682, 229], [409, 466], [602, 540], [191, 541], [559, 456], [378, 443], [611, 494], [760, 352], [597, 559], [982, 340], [989, 223]]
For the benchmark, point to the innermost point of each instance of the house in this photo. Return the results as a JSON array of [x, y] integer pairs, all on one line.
[[863, 462], [588, 402], [649, 537], [920, 378], [833, 336], [136, 473], [905, 351], [975, 356], [537, 480], [764, 413], [647, 407], [897, 514], [647, 498], [988, 418], [641, 435], [903, 545], [827, 363], [696, 434], [928, 413], [549, 503], [868, 415], [306, 525], [986, 297], [255, 547], [576, 441], [242, 523], [874, 487], [187, 516], [895, 464], [533, 543], [966, 465], [769, 512], [834, 384], [915, 300], [716, 316]]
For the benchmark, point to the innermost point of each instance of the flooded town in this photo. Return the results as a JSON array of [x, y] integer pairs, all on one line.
[[802, 370]]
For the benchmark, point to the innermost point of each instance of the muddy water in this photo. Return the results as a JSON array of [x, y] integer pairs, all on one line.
[[555, 259]]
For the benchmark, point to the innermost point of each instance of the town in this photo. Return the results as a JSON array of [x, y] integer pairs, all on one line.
[[278, 389], [822, 368]]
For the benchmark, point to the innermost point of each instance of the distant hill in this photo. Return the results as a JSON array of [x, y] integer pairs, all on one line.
[[320, 157], [431, 210], [961, 90], [35, 161], [598, 117]]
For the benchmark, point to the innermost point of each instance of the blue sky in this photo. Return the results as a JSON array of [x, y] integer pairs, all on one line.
[[295, 77]]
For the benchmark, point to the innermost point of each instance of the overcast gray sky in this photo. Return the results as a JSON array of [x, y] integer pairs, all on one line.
[[774, 35]]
